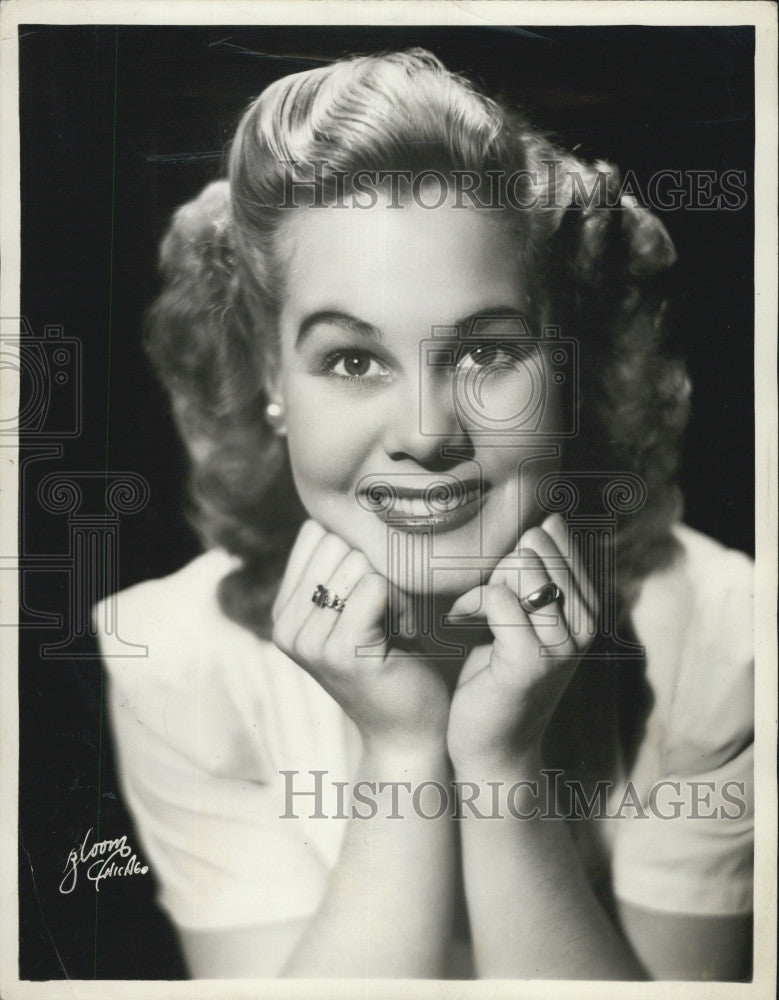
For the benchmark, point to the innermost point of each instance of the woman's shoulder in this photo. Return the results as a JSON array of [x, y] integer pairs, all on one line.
[[175, 617], [704, 583], [199, 681], [694, 618], [156, 606], [700, 554], [165, 639]]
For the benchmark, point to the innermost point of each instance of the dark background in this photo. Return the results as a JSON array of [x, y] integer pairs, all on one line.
[[119, 126]]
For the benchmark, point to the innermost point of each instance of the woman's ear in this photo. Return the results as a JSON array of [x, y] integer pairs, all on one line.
[[274, 412]]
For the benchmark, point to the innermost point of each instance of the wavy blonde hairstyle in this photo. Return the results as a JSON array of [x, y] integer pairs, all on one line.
[[211, 333]]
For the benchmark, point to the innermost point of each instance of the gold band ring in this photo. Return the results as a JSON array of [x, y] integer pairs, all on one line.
[[540, 598]]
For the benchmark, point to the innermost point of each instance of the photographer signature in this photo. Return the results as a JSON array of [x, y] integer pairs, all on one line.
[[104, 859]]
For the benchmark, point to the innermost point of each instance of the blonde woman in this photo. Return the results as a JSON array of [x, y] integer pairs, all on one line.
[[411, 346]]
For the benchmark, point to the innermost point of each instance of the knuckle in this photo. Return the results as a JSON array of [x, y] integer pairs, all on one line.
[[372, 589], [333, 545], [308, 537], [499, 595], [307, 647], [552, 522], [534, 537], [310, 529], [361, 565], [529, 557], [337, 653], [352, 568], [281, 636]]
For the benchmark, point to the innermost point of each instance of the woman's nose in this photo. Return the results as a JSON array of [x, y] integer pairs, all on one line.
[[424, 421]]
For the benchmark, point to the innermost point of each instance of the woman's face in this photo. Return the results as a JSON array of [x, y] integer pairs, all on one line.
[[407, 361]]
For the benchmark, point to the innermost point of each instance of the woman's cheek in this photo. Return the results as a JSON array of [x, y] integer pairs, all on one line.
[[328, 448]]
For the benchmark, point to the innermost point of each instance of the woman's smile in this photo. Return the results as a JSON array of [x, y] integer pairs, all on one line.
[[442, 504]]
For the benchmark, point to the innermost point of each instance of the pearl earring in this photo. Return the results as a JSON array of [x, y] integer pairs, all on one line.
[[274, 416]]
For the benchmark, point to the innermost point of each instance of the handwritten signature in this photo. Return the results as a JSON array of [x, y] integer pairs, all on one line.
[[104, 859]]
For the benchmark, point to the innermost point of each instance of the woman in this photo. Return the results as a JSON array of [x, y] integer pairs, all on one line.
[[416, 354]]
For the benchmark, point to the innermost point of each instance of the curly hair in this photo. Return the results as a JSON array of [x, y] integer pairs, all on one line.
[[599, 263]]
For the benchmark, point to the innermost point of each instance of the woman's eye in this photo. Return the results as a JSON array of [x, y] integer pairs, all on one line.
[[485, 355], [356, 365]]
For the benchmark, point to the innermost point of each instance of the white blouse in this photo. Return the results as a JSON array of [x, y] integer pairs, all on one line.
[[205, 723]]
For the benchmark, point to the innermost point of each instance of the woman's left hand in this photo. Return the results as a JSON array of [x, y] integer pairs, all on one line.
[[508, 689]]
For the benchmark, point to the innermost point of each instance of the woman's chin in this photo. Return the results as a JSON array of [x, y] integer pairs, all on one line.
[[433, 576], [440, 585], [427, 566]]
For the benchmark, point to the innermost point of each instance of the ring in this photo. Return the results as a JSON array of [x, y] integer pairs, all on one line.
[[547, 594], [324, 599]]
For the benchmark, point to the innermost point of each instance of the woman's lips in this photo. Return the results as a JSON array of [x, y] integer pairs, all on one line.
[[430, 509]]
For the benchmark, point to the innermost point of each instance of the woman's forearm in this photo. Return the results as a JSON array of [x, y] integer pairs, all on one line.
[[532, 911], [387, 908]]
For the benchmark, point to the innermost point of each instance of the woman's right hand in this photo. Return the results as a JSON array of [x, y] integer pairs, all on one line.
[[397, 700]]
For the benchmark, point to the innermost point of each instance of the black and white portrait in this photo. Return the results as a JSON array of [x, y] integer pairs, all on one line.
[[386, 498]]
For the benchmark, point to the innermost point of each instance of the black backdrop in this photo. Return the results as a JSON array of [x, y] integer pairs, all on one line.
[[120, 125]]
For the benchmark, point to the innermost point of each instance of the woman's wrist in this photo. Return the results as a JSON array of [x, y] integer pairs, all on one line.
[[505, 764], [423, 757]]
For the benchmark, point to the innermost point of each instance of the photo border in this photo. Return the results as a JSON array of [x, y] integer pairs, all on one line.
[[408, 12]]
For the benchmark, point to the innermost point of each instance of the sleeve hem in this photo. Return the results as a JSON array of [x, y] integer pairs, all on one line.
[[647, 892], [243, 917]]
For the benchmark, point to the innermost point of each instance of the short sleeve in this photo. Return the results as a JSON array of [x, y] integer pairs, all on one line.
[[683, 841], [690, 848], [196, 732]]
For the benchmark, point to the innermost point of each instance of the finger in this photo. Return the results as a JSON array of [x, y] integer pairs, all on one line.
[[556, 528], [467, 605], [549, 622], [515, 649], [502, 614], [320, 621], [361, 624], [579, 618], [321, 565], [309, 536], [524, 572], [554, 562]]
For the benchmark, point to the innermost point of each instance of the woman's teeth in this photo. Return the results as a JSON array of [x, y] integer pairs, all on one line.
[[419, 507]]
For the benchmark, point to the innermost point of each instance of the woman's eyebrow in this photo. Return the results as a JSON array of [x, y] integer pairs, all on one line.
[[333, 317], [351, 324], [492, 312]]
